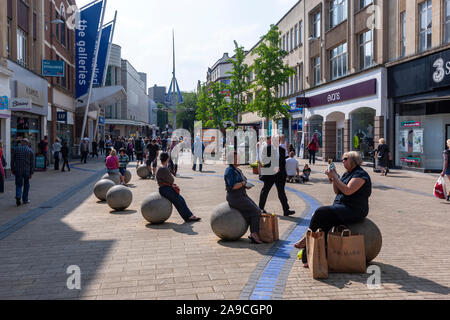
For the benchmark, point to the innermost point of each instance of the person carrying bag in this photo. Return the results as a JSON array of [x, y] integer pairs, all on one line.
[[268, 226], [346, 251], [317, 259]]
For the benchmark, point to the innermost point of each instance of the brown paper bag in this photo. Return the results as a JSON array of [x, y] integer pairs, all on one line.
[[268, 228], [317, 260], [346, 252]]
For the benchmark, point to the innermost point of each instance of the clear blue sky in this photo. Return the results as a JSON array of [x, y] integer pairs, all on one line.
[[204, 30]]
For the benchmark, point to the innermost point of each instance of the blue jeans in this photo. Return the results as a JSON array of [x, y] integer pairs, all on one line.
[[22, 181], [177, 200]]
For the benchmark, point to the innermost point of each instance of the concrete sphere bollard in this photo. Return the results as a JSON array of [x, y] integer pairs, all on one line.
[[102, 187], [373, 239], [127, 176], [142, 171], [156, 209], [227, 223], [115, 177], [119, 198]]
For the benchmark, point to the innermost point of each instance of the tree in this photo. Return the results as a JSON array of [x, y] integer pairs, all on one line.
[[239, 82], [270, 73], [213, 109], [187, 111], [203, 105]]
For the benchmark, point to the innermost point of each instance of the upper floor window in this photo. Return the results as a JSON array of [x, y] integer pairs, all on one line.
[[338, 61], [425, 25], [8, 40], [63, 33], [21, 47], [338, 12], [316, 25], [402, 34], [316, 70], [447, 21], [300, 33], [284, 42], [364, 3], [296, 36], [365, 50], [292, 39]]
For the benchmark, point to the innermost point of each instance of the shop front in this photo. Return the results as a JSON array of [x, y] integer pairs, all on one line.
[[296, 126], [29, 106], [5, 112], [347, 115], [419, 92]]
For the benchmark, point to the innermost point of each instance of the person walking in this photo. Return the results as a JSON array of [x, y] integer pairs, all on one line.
[[22, 167], [198, 149], [84, 150], [130, 149], [274, 174], [65, 156], [382, 155], [173, 161], [2, 169], [43, 149], [313, 147], [139, 148], [56, 148], [169, 190], [152, 151], [123, 162], [446, 170], [108, 145], [94, 149], [101, 146]]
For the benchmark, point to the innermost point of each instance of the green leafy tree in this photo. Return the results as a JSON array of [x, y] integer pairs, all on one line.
[[187, 111], [202, 112], [270, 73], [219, 109], [239, 82]]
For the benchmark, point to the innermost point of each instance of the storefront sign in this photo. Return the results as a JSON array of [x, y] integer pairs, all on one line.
[[86, 35], [101, 120], [411, 124], [40, 162], [21, 104], [411, 160], [24, 91], [4, 103], [53, 68], [359, 90], [61, 116], [294, 108]]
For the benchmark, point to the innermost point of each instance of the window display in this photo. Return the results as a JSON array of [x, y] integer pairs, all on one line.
[[363, 124]]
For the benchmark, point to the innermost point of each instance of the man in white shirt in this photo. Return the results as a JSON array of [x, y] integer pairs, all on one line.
[[292, 170]]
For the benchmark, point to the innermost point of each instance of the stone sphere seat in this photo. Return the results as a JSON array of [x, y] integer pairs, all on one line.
[[228, 223], [119, 198], [142, 171], [102, 187], [115, 177], [373, 239], [156, 209], [127, 176]]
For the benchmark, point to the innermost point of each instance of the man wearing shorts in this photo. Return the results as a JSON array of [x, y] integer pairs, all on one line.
[[139, 147], [152, 151]]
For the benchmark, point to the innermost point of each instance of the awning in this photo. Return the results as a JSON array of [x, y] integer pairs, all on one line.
[[102, 96]]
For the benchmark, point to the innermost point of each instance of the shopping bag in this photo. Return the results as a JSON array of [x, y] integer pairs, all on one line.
[[346, 251], [440, 190], [268, 228], [315, 248]]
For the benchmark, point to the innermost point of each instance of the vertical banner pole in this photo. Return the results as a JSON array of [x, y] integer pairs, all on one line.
[[94, 66]]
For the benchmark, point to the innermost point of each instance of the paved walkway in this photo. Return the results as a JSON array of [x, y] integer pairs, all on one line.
[[122, 257]]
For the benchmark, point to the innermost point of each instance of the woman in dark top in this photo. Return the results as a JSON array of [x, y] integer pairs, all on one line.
[[352, 198], [167, 189], [237, 198], [382, 155]]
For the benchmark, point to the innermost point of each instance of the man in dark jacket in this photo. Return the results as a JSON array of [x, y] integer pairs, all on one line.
[[274, 175], [22, 167]]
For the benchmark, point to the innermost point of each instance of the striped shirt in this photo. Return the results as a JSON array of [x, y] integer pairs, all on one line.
[[123, 161]]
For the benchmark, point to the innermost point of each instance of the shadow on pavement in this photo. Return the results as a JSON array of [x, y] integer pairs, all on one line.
[[123, 213], [392, 275], [185, 228]]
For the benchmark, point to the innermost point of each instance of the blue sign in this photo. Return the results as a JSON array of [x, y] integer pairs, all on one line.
[[53, 68], [4, 103], [86, 35], [61, 116], [102, 55], [101, 120]]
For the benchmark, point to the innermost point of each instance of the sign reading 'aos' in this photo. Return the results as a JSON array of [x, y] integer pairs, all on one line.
[[334, 97]]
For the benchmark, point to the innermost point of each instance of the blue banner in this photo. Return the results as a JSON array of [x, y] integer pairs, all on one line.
[[4, 103], [53, 68], [86, 35], [102, 55]]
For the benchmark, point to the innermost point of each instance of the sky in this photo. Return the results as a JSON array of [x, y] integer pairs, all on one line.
[[204, 30]]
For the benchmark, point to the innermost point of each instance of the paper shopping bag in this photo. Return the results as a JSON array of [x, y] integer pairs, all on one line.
[[346, 252], [268, 228], [317, 260]]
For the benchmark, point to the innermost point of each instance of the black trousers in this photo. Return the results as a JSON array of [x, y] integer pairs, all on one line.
[[312, 157], [65, 163], [56, 159], [84, 156], [239, 200], [2, 184], [280, 183]]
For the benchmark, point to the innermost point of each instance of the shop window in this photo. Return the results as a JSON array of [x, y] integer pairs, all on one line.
[[316, 130], [362, 128]]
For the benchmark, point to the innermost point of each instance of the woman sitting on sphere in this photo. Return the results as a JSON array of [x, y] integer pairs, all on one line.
[[237, 198], [112, 163], [169, 190], [352, 198]]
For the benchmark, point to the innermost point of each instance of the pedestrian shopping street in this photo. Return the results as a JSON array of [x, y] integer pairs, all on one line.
[[121, 256]]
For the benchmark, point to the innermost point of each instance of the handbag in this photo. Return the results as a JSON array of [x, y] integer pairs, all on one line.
[[268, 228], [346, 251], [317, 259]]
